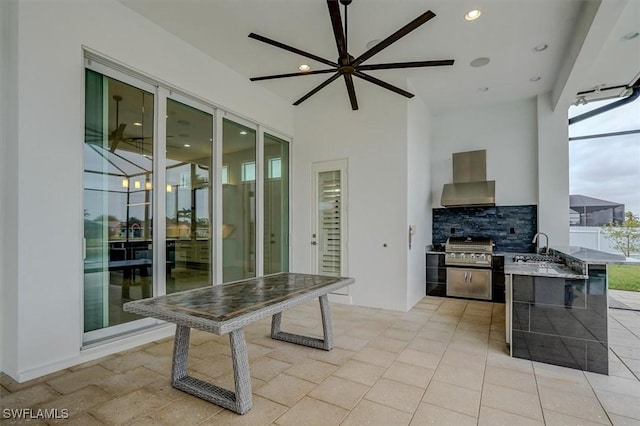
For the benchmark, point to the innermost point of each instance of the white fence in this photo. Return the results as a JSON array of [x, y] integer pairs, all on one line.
[[591, 237]]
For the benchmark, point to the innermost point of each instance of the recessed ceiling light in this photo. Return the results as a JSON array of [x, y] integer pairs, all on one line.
[[479, 62], [243, 132], [483, 89], [536, 78], [304, 67], [540, 47], [630, 36], [137, 123], [186, 145], [472, 15]]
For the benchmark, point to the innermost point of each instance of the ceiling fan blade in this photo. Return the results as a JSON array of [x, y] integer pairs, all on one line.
[[117, 136], [118, 132], [383, 84], [394, 37], [314, 91], [114, 145], [293, 74], [338, 32], [292, 49], [415, 64], [352, 91]]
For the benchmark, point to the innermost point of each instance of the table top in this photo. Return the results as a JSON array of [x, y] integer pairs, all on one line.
[[222, 308]]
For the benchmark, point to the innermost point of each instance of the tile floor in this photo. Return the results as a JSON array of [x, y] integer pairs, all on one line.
[[624, 299], [443, 362]]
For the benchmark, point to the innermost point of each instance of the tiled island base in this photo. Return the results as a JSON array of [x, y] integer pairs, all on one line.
[[562, 321]]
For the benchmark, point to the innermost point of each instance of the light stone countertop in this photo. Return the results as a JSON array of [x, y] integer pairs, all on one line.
[[573, 255], [546, 269]]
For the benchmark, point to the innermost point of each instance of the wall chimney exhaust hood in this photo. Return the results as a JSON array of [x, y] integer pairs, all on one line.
[[470, 187]]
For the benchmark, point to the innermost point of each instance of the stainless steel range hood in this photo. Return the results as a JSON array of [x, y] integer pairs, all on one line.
[[470, 186]]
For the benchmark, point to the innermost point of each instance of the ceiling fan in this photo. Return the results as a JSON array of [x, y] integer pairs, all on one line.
[[348, 66], [117, 135]]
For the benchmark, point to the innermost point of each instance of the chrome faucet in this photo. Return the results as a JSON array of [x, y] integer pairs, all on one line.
[[535, 239]]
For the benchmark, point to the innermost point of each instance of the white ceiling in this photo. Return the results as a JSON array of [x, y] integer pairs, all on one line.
[[507, 32]]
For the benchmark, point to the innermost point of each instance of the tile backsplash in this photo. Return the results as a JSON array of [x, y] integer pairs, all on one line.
[[510, 227]]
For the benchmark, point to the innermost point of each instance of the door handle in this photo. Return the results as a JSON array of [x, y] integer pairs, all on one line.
[[314, 243]]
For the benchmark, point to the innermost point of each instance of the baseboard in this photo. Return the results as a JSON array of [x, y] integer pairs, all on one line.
[[99, 350]]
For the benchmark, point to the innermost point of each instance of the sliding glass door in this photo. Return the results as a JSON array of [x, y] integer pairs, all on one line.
[[238, 201], [188, 196], [276, 204], [220, 181], [118, 171]]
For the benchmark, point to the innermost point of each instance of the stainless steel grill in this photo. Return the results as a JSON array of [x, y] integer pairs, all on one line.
[[468, 262], [467, 251]]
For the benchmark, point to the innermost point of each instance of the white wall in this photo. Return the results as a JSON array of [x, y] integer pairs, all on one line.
[[4, 87], [8, 193], [373, 139], [553, 175], [44, 266], [527, 156], [509, 134], [419, 213]]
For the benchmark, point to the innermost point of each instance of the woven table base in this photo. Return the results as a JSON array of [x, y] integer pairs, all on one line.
[[241, 400]]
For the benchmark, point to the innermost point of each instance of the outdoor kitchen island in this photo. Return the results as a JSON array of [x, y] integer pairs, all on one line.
[[557, 307]]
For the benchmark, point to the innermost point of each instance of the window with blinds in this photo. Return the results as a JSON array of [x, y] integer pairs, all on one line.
[[329, 222]]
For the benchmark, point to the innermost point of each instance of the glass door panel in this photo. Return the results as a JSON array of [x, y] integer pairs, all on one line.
[[329, 219], [276, 205], [118, 171], [328, 224], [238, 201], [188, 190]]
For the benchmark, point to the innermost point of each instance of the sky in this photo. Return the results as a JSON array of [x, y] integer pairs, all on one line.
[[607, 168]]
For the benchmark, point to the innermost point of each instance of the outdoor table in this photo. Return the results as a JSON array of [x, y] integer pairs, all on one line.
[[228, 308]]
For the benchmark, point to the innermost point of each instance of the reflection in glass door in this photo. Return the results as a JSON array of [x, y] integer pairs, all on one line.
[[118, 171], [135, 149], [276, 205], [188, 202], [238, 201]]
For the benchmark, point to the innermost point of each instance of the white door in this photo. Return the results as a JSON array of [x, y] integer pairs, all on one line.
[[329, 219]]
